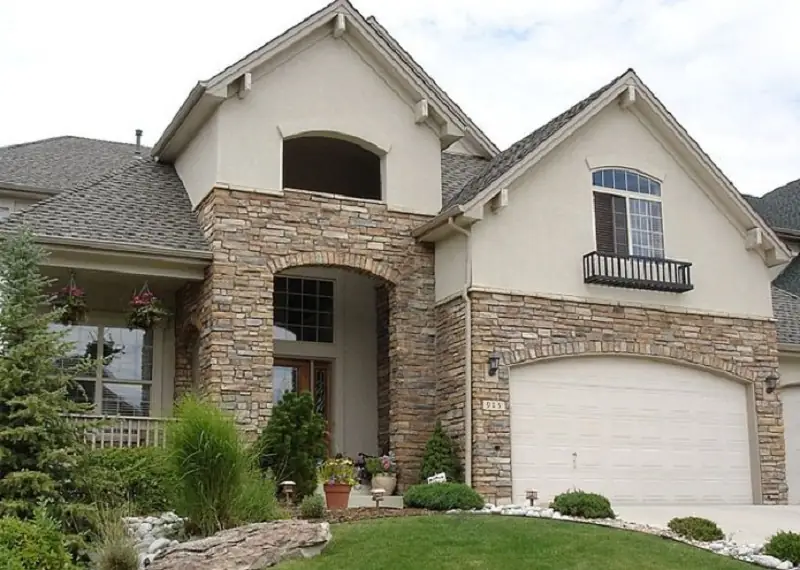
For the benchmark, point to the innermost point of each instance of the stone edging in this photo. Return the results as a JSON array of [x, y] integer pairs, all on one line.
[[751, 553]]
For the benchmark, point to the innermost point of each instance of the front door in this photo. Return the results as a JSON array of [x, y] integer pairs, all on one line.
[[313, 376]]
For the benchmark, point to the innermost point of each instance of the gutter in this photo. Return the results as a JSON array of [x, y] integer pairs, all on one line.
[[440, 219], [468, 351], [194, 97], [26, 191], [121, 248]]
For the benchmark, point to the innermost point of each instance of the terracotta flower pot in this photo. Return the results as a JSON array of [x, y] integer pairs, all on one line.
[[337, 495], [385, 481]]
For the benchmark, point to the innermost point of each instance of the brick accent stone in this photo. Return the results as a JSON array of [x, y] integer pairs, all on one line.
[[253, 237], [526, 329]]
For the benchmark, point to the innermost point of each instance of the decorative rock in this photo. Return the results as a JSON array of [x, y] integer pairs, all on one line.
[[767, 561], [547, 513], [785, 565], [557, 515], [252, 547], [143, 529], [159, 544]]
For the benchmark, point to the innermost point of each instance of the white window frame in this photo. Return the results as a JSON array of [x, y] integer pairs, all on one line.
[[631, 195]]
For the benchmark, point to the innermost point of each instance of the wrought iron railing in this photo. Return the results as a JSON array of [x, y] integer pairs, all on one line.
[[122, 431], [634, 272]]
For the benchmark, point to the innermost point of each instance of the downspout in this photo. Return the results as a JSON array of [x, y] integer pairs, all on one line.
[[468, 350]]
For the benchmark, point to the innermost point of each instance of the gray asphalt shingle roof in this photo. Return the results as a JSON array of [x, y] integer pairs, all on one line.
[[786, 307], [142, 203], [505, 160], [62, 163], [457, 170], [781, 207]]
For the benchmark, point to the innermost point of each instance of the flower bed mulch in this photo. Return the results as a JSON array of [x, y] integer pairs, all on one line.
[[364, 513]]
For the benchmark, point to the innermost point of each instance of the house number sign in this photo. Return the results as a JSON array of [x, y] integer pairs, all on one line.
[[494, 405]]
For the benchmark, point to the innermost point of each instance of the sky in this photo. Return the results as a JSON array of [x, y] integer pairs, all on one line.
[[728, 70]]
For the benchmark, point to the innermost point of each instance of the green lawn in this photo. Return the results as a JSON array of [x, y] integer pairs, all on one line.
[[507, 543]]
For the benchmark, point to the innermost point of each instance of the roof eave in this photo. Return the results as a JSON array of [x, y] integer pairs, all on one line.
[[185, 109], [167, 252], [25, 189]]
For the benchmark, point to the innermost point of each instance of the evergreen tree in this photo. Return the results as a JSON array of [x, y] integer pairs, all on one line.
[[441, 456], [39, 446]]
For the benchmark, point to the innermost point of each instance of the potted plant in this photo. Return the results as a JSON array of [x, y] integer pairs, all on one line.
[[71, 302], [146, 310], [383, 470], [338, 477]]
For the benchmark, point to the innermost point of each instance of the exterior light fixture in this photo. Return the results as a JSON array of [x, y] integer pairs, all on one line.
[[532, 495], [494, 363], [771, 382], [288, 490], [377, 496]]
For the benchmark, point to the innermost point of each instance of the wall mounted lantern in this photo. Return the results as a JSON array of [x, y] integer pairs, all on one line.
[[494, 363], [771, 382]]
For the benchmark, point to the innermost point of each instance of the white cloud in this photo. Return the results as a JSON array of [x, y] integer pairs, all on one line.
[[727, 70]]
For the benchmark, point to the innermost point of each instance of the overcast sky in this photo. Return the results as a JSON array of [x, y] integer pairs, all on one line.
[[728, 70]]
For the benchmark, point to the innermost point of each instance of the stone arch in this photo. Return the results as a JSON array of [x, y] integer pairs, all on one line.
[[539, 351], [354, 261]]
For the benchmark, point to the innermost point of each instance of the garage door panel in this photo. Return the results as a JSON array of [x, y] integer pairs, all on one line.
[[636, 430]]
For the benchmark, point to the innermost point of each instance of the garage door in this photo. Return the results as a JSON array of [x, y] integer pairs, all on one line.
[[639, 431], [791, 420]]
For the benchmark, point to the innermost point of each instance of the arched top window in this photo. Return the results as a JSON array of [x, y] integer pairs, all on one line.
[[626, 180], [331, 165], [627, 213]]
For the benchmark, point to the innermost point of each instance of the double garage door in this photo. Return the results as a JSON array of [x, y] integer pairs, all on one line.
[[639, 431]]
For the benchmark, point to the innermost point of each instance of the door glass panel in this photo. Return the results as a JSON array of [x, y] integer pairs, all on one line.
[[321, 391], [284, 379]]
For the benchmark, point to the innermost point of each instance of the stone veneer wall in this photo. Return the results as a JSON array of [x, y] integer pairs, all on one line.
[[526, 328], [450, 367], [254, 236]]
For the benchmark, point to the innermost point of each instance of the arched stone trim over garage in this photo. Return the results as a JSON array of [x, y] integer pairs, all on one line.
[[353, 261], [540, 351]]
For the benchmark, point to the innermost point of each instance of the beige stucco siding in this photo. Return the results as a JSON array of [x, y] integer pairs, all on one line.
[[197, 166], [450, 266], [332, 88], [536, 244]]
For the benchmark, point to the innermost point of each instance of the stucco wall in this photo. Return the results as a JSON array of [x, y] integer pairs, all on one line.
[[536, 244], [450, 266], [198, 165], [328, 87]]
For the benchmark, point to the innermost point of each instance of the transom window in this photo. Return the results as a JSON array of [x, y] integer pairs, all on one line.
[[120, 384], [627, 211], [303, 309]]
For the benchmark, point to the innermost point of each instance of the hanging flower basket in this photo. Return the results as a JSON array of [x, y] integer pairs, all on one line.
[[146, 310], [70, 301]]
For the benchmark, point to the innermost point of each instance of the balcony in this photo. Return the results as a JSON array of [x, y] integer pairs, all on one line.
[[633, 272], [120, 431]]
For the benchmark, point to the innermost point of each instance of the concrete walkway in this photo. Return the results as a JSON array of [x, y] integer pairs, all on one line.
[[747, 524]]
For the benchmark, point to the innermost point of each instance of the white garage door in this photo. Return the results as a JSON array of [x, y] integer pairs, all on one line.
[[791, 420], [638, 431]]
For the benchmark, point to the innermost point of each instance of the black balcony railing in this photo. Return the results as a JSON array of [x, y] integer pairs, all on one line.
[[635, 272]]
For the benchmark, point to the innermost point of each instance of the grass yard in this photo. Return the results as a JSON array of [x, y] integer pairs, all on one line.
[[507, 543]]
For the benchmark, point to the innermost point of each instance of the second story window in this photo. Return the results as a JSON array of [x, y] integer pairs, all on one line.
[[627, 213]]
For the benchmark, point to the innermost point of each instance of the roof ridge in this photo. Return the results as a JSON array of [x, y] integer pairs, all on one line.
[[37, 141], [62, 137]]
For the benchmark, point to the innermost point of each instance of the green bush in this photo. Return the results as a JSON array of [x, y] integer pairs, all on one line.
[[312, 507], [583, 505], [696, 528], [216, 473], [293, 442], [37, 544], [140, 478], [116, 550], [784, 545], [441, 456], [442, 497]]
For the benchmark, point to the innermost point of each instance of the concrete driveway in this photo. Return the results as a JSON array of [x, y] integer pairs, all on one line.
[[746, 524]]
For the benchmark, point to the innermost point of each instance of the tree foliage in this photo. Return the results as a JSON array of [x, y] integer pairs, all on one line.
[[441, 456]]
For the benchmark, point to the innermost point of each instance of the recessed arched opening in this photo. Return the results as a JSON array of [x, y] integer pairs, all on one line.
[[331, 165]]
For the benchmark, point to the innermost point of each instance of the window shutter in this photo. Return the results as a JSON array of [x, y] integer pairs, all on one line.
[[610, 224]]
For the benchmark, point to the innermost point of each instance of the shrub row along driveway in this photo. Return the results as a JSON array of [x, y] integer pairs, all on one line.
[[460, 542]]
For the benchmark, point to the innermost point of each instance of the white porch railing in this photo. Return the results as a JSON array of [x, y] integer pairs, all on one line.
[[121, 431]]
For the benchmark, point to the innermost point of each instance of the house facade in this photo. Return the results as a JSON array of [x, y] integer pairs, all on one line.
[[591, 307]]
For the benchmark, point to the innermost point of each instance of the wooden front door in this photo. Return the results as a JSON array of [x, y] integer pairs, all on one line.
[[313, 376]]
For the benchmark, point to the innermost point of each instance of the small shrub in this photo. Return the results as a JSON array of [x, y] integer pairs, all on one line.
[[441, 456], [140, 478], [583, 505], [312, 507], [442, 497], [696, 528], [116, 550], [293, 442], [37, 544], [784, 545], [257, 500], [212, 464]]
